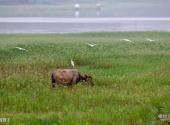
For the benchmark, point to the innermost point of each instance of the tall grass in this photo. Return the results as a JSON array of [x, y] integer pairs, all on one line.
[[132, 81]]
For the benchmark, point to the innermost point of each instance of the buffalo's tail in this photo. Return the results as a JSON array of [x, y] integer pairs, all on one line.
[[52, 80]]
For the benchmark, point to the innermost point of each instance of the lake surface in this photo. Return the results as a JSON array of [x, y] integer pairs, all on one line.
[[73, 25]]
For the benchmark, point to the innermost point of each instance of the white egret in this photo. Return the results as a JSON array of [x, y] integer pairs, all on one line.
[[22, 49], [72, 63], [127, 40], [150, 40], [91, 45], [76, 6]]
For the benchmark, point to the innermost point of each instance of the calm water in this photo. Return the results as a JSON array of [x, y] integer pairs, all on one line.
[[70, 25]]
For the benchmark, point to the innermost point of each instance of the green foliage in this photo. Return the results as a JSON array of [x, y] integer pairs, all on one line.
[[132, 81]]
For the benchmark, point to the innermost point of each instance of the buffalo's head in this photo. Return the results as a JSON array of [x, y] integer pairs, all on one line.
[[88, 79]]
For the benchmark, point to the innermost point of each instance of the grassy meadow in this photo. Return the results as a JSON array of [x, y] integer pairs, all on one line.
[[132, 80]]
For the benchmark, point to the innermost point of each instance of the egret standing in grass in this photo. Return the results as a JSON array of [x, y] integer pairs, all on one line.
[[127, 40], [22, 49], [72, 63], [91, 45], [150, 40]]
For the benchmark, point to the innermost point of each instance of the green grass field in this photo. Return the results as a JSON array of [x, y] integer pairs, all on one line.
[[132, 81]]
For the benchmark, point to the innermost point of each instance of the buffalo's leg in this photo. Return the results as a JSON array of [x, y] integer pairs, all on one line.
[[53, 81], [53, 85], [74, 80], [69, 85]]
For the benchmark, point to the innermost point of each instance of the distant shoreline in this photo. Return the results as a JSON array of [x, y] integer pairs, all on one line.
[[78, 20], [77, 25]]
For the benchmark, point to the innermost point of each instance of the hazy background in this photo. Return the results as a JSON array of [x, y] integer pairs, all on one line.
[[96, 10], [88, 8]]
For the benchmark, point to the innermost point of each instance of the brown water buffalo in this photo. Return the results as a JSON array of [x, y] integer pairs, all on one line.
[[69, 77]]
